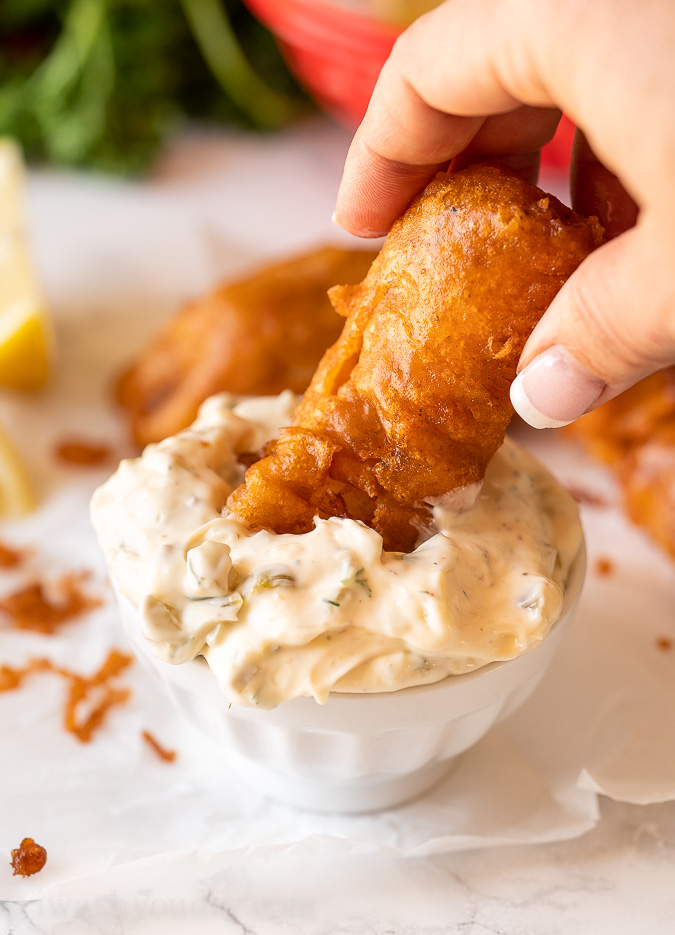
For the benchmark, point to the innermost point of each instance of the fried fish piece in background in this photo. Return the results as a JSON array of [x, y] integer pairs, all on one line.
[[257, 336], [635, 434], [412, 401]]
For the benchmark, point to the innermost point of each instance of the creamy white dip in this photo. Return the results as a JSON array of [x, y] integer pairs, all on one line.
[[279, 616]]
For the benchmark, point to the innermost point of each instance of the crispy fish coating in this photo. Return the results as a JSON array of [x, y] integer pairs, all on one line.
[[412, 401], [258, 336], [635, 434]]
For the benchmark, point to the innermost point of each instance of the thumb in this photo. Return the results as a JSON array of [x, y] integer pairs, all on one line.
[[611, 324]]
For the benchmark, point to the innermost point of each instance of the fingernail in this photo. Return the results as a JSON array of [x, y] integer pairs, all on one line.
[[554, 389], [360, 232]]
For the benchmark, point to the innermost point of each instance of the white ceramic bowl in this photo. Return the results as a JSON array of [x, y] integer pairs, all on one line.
[[358, 752]]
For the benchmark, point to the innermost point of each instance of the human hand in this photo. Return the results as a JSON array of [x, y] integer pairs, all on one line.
[[479, 78]]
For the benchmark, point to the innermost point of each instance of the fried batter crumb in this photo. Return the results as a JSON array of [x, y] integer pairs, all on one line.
[[9, 557], [81, 688], [33, 608], [93, 691], [604, 567], [162, 752], [79, 452], [28, 858]]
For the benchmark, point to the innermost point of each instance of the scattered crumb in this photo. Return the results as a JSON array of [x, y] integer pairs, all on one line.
[[28, 858], [33, 608], [77, 451], [80, 690], [11, 678], [603, 566], [581, 495], [162, 752], [664, 644], [88, 699], [9, 557]]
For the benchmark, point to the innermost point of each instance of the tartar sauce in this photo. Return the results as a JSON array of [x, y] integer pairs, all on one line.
[[279, 616]]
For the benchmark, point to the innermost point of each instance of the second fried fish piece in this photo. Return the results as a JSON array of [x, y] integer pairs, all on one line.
[[635, 434], [259, 335], [409, 405]]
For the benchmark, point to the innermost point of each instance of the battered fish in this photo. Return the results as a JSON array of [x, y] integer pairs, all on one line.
[[412, 401], [258, 336], [635, 434]]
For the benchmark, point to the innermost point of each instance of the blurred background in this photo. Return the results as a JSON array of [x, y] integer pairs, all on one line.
[[103, 83]]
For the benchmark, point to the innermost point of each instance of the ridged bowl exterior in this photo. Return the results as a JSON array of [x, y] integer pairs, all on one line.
[[358, 752]]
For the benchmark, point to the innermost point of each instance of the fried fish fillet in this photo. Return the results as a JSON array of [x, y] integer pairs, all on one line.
[[412, 401], [258, 336], [635, 434]]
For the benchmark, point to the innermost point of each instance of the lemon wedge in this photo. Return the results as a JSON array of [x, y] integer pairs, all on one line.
[[16, 492], [25, 334]]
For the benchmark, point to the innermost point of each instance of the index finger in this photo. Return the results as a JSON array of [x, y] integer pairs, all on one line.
[[431, 103], [478, 76]]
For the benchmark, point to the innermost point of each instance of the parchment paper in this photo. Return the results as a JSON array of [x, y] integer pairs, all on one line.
[[116, 259]]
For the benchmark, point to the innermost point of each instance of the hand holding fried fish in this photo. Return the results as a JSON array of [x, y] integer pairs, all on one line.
[[410, 404]]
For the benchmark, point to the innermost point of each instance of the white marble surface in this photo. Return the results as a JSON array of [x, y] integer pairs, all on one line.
[[616, 879]]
